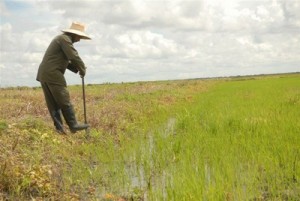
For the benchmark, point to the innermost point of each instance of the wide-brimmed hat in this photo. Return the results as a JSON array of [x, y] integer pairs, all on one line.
[[78, 29]]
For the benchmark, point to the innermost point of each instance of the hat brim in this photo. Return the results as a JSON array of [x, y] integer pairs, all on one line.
[[79, 33]]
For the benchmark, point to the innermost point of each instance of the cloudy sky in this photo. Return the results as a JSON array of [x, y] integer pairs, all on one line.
[[143, 40]]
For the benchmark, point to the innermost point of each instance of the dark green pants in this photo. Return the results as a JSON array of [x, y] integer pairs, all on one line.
[[57, 98]]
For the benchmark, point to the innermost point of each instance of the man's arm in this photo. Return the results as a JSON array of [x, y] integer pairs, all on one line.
[[72, 55], [72, 68]]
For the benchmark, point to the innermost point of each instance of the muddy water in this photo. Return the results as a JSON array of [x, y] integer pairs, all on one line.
[[143, 180], [140, 175]]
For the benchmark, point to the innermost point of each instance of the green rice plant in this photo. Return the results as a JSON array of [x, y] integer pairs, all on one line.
[[239, 142]]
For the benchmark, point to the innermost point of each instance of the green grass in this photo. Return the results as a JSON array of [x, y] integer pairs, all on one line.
[[227, 139]]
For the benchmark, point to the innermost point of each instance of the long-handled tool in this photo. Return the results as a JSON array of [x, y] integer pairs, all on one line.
[[87, 130]]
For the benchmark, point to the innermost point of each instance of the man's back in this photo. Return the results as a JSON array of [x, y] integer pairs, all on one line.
[[55, 62]]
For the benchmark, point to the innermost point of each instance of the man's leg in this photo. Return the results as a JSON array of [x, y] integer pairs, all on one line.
[[53, 108], [62, 98]]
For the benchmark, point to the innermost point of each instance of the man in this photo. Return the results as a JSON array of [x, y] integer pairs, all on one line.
[[59, 56]]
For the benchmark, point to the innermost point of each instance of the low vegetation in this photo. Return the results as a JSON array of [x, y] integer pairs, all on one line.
[[216, 139]]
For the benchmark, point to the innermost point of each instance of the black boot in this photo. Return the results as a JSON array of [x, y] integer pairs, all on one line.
[[70, 118], [58, 122]]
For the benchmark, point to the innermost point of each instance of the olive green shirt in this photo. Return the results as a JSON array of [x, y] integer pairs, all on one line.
[[59, 56]]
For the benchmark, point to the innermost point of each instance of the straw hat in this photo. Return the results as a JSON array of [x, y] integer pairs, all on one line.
[[78, 29]]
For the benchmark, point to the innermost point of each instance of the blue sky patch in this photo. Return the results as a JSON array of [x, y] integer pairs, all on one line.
[[13, 5]]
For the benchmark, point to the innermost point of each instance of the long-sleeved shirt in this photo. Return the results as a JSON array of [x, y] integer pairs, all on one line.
[[59, 56]]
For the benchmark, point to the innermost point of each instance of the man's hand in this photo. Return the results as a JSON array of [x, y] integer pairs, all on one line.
[[82, 74]]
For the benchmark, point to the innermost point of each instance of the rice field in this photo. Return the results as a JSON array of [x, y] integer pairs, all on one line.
[[213, 139]]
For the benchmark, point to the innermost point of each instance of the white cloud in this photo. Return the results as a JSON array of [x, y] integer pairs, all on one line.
[[3, 9], [146, 44], [7, 37]]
